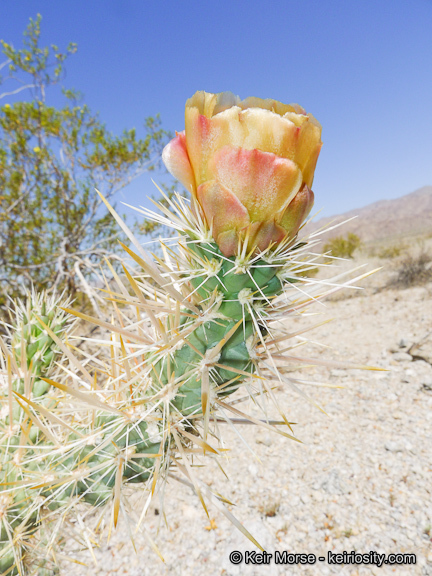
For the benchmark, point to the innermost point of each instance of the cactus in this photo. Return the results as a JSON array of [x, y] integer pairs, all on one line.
[[29, 354], [41, 453], [194, 332]]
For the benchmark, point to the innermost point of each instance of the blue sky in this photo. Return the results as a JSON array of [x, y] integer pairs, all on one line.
[[363, 69]]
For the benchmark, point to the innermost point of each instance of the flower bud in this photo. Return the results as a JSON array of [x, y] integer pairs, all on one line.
[[248, 164]]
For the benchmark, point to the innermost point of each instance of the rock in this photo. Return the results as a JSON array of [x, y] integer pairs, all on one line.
[[405, 343], [402, 357], [332, 483], [394, 446], [266, 440], [338, 373], [422, 350]]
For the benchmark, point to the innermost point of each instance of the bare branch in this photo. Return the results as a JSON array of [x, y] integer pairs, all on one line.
[[5, 63], [88, 290], [20, 89]]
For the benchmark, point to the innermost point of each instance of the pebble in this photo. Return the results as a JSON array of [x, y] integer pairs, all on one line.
[[393, 446], [338, 373], [402, 357], [423, 348], [405, 343], [266, 440]]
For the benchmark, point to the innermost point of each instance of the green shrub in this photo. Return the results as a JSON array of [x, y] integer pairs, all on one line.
[[391, 251], [343, 247]]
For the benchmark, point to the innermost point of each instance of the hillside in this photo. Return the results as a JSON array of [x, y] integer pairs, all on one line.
[[409, 215]]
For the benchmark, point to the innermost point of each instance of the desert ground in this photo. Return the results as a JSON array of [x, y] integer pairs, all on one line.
[[360, 480]]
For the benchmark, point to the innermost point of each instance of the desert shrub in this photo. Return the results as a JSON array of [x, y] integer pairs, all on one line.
[[390, 252], [412, 271], [53, 227], [343, 247]]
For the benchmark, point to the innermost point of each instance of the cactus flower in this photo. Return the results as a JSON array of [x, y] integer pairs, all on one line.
[[249, 164]]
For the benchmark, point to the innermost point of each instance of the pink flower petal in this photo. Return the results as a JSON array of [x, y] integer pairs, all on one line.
[[176, 159], [223, 210], [264, 183], [262, 234], [297, 211], [228, 243]]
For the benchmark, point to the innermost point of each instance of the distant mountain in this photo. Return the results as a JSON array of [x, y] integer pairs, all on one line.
[[384, 220]]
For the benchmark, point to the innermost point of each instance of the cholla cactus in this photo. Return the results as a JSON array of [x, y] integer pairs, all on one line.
[[193, 334], [28, 354]]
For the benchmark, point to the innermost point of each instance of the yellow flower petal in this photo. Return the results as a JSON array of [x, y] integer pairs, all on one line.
[[205, 136], [211, 104], [269, 104], [269, 132], [204, 102], [308, 149]]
